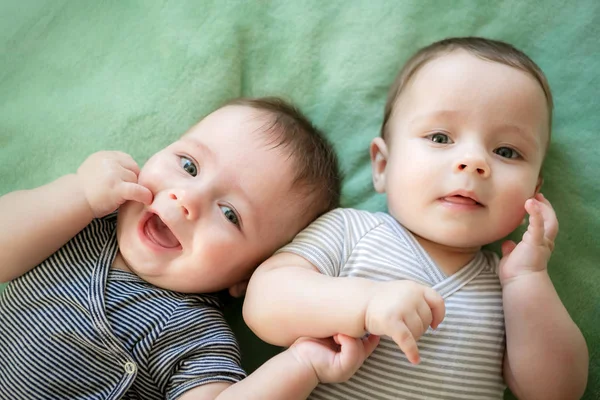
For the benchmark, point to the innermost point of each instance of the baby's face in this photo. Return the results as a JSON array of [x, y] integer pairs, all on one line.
[[223, 202], [465, 147]]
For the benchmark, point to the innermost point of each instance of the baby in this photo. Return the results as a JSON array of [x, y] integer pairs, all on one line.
[[465, 131], [110, 306]]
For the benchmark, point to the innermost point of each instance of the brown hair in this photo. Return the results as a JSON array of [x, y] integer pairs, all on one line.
[[315, 162], [487, 49]]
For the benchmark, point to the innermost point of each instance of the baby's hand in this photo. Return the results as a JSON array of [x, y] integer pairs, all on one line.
[[533, 252], [403, 310], [109, 179], [334, 359]]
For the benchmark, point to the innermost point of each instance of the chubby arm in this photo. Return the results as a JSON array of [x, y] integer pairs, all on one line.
[[546, 355], [294, 373], [288, 298], [39, 221]]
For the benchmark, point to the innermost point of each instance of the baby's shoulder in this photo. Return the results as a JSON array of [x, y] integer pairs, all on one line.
[[354, 217], [100, 226]]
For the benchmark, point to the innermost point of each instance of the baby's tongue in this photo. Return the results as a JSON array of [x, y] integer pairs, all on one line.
[[160, 233]]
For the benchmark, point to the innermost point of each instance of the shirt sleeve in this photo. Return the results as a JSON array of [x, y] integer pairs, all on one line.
[[328, 242], [195, 348]]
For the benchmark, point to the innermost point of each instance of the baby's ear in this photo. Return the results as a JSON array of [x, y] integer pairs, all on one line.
[[379, 156], [239, 289]]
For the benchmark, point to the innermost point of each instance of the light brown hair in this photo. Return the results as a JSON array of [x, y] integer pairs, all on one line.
[[317, 173], [487, 49]]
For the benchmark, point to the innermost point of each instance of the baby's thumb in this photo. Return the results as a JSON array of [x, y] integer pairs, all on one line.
[[436, 303], [507, 247], [137, 192], [370, 343]]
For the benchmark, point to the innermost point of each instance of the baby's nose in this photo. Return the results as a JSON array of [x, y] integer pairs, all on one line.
[[187, 202], [473, 164]]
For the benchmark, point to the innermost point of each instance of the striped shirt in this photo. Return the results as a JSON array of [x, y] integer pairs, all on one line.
[[74, 328], [461, 359]]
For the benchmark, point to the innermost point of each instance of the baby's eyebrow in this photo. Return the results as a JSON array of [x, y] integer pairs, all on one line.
[[433, 115], [526, 135], [204, 151]]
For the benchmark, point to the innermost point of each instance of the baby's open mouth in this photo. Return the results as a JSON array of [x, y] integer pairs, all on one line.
[[159, 233]]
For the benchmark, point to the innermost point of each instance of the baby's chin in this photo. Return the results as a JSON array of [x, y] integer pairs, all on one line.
[[187, 285], [459, 241]]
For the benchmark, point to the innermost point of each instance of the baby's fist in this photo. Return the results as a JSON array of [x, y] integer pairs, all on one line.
[[334, 359], [109, 179]]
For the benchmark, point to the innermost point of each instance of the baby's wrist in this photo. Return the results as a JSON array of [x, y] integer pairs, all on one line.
[[375, 289], [78, 189], [524, 279], [304, 366]]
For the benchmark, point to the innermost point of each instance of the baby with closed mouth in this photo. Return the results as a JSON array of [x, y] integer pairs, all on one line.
[[465, 131]]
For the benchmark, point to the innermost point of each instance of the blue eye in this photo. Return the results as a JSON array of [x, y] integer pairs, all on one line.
[[440, 138], [507, 152], [230, 215], [188, 166]]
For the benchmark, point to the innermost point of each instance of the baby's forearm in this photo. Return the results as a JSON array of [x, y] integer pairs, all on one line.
[[37, 222], [282, 377], [283, 304], [546, 353]]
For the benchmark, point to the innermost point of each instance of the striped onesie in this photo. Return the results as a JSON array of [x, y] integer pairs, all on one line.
[[461, 359], [74, 328]]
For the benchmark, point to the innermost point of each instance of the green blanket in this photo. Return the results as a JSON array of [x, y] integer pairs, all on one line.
[[80, 76]]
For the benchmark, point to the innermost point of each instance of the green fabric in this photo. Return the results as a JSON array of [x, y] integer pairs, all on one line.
[[80, 76]]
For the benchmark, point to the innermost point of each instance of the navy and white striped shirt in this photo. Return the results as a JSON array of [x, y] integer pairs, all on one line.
[[74, 328]]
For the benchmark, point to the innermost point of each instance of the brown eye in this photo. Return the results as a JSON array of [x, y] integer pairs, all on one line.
[[188, 166]]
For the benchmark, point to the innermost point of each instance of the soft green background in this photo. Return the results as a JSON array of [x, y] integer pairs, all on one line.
[[80, 76]]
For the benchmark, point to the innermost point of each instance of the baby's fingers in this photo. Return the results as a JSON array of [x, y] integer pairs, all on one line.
[[353, 352], [349, 348], [370, 344], [127, 162], [406, 341], [436, 303], [535, 230], [136, 192], [549, 217]]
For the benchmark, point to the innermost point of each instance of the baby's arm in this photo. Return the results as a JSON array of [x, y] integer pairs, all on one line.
[[288, 298], [546, 354], [37, 222], [294, 373]]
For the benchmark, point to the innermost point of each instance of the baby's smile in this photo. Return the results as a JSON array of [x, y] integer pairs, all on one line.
[[155, 233]]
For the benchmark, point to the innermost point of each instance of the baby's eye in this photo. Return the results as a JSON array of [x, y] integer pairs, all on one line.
[[440, 138], [230, 215], [507, 152], [188, 166]]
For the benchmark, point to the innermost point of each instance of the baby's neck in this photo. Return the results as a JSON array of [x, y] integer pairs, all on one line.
[[119, 263], [449, 259]]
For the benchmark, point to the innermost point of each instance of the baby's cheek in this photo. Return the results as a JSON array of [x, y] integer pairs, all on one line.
[[513, 211], [152, 178]]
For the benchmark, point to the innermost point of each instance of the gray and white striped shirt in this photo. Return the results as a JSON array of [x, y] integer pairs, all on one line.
[[461, 359], [74, 328]]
